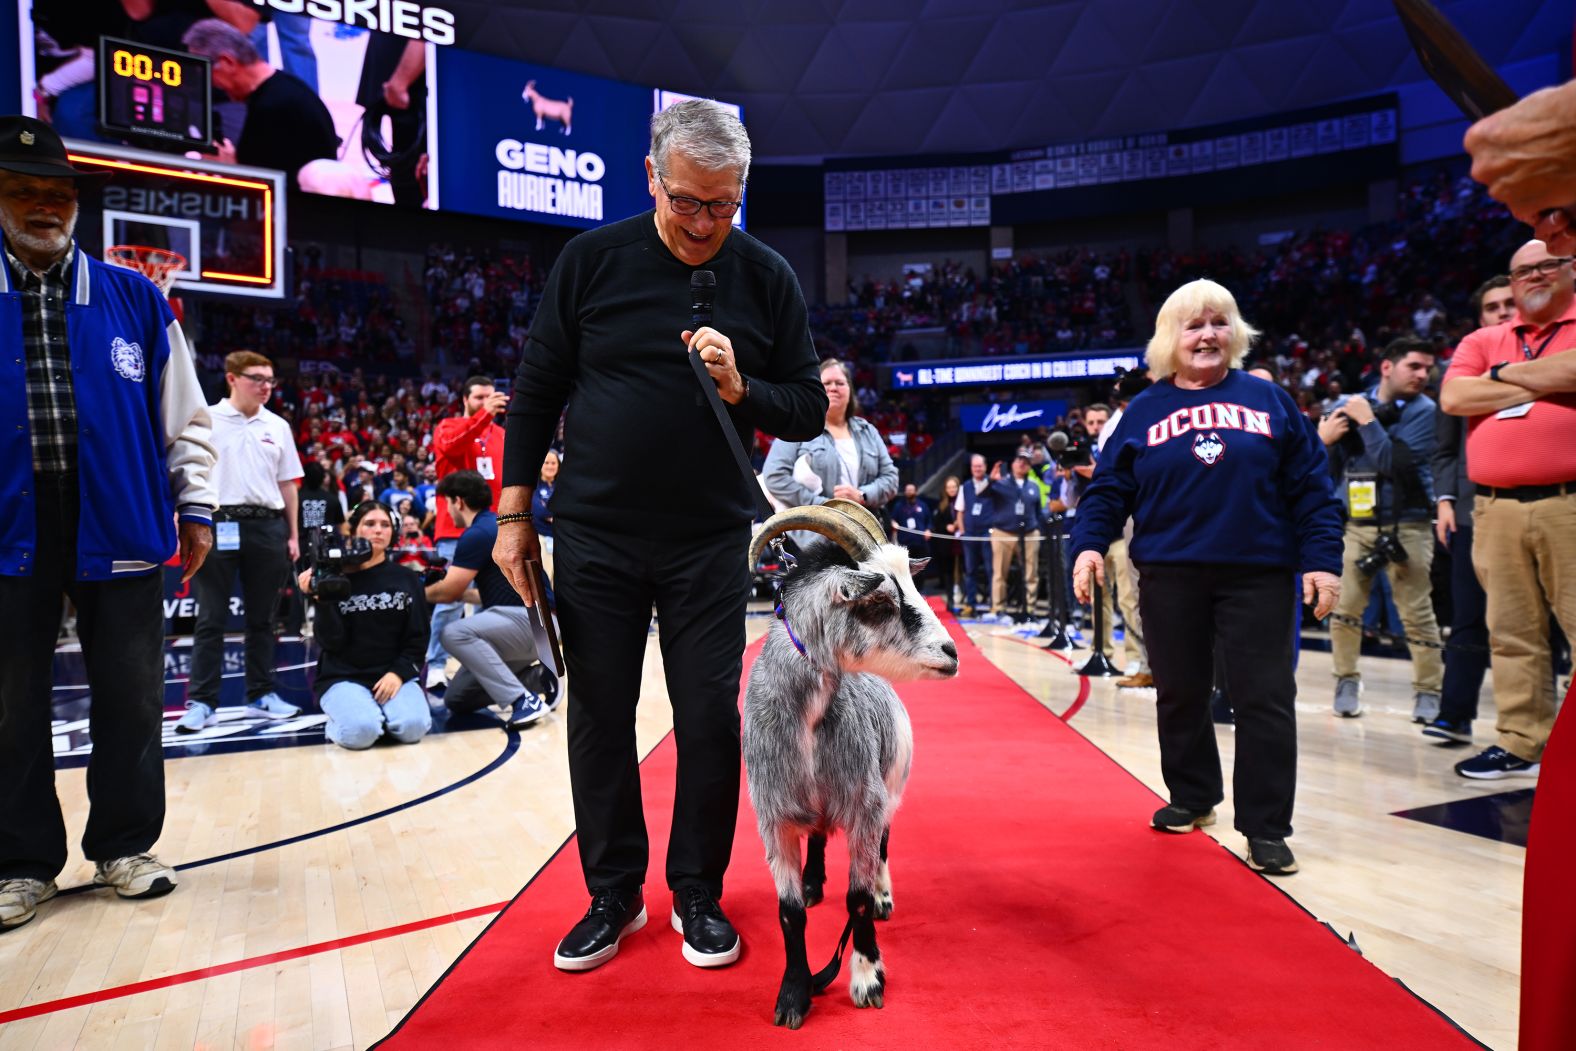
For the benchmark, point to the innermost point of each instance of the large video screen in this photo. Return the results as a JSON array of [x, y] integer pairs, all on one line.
[[341, 109]]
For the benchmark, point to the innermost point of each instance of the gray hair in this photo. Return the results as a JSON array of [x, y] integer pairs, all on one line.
[[704, 131], [215, 38]]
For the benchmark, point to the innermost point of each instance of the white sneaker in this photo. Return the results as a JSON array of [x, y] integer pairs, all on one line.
[[272, 706], [436, 676], [20, 899], [198, 716], [137, 876]]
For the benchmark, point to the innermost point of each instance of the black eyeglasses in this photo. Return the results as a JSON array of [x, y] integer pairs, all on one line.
[[692, 206], [1548, 268], [261, 381]]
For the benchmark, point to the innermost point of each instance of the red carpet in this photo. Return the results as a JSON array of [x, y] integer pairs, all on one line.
[[1034, 909], [1548, 914]]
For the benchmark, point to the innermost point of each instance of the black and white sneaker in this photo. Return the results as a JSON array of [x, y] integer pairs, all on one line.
[[1174, 818], [614, 914], [1495, 763], [709, 939], [1271, 857]]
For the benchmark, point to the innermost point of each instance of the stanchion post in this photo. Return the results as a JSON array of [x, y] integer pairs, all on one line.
[[1056, 627], [1097, 664]]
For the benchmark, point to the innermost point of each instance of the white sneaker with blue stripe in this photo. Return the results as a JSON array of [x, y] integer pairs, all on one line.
[[272, 706]]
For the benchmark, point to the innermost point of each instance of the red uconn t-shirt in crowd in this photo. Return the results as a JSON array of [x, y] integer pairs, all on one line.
[[467, 443], [1512, 448]]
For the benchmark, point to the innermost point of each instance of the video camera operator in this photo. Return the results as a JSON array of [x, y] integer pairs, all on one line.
[[371, 626], [495, 646], [1380, 445]]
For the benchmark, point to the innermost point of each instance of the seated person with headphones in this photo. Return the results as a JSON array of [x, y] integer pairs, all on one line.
[[495, 647], [370, 622]]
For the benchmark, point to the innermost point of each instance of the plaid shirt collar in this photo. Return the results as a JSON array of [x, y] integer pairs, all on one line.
[[25, 277]]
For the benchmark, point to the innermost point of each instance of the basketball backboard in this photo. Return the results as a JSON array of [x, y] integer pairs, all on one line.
[[228, 221]]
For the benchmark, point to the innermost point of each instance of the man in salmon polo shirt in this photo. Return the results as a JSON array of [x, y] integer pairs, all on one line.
[[1516, 384]]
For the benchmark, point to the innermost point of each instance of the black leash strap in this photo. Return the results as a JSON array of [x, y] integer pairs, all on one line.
[[825, 976], [763, 509]]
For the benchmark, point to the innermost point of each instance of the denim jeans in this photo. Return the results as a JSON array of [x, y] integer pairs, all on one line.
[[443, 613], [356, 720]]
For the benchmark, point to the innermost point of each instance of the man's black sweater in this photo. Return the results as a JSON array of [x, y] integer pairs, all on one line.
[[380, 627], [643, 451]]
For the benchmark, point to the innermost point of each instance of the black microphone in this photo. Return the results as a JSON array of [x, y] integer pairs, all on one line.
[[703, 291]]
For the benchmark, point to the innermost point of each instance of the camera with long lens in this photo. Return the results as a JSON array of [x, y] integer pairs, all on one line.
[[1387, 549], [1070, 451], [328, 554]]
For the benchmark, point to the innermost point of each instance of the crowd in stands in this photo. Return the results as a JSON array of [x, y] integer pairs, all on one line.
[[1325, 299]]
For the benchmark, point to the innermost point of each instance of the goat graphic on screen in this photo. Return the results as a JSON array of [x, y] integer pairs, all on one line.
[[561, 110], [827, 743]]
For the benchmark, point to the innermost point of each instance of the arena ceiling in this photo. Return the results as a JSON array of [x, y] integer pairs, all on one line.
[[830, 78]]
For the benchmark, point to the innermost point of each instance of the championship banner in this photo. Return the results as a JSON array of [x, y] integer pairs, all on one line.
[[533, 143]]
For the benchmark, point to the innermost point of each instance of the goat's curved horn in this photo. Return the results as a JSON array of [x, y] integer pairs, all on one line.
[[836, 525], [861, 514]]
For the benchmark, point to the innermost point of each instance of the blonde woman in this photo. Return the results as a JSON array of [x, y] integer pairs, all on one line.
[[1229, 490]]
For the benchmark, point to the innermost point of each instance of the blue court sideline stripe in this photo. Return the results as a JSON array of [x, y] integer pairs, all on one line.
[[509, 749]]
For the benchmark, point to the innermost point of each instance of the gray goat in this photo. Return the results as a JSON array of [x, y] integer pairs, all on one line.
[[827, 743]]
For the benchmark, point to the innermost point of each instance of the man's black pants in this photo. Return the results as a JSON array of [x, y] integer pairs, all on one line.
[[607, 583], [264, 565], [121, 626], [1185, 609], [1466, 660]]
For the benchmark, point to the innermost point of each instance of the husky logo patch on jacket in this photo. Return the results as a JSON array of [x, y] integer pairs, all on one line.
[[127, 359]]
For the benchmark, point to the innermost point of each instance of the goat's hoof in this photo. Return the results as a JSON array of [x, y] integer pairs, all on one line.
[[867, 982], [790, 1018], [793, 1002], [814, 894], [883, 909]]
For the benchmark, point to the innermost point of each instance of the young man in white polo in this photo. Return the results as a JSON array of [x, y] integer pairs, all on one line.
[[255, 536]]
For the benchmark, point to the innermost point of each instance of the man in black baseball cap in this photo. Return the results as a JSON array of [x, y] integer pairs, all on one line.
[[38, 192]]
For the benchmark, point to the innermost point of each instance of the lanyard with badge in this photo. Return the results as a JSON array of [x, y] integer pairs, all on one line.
[[1528, 354], [484, 463]]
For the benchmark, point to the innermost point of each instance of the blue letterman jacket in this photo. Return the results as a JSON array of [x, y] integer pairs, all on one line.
[[143, 448]]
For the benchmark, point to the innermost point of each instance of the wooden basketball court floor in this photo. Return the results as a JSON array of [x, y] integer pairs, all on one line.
[[332, 888]]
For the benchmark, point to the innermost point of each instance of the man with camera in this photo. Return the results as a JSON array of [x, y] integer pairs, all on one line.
[[472, 442], [495, 646], [1380, 444]]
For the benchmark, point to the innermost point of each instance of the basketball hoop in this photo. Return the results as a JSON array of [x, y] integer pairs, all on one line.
[[159, 265]]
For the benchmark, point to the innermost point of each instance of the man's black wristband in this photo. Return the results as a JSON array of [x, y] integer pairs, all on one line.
[[1493, 373]]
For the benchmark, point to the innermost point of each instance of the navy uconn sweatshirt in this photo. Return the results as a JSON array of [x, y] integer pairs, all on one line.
[[1234, 473]]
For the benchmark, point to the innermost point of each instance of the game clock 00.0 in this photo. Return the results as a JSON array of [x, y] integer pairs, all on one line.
[[154, 95]]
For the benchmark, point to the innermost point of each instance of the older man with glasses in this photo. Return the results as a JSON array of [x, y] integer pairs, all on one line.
[[1516, 383], [610, 338], [255, 536], [105, 446]]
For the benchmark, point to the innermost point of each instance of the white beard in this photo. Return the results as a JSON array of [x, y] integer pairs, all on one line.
[[52, 244], [1533, 302]]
